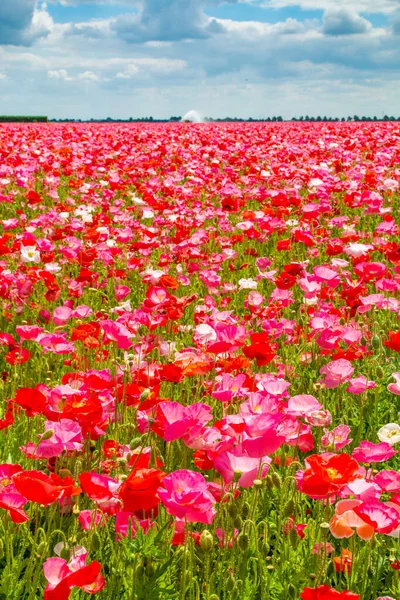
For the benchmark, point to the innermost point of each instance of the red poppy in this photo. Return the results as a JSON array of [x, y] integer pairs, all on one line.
[[394, 341], [139, 490], [18, 356], [285, 281], [31, 400], [324, 592], [327, 475], [260, 348], [44, 489]]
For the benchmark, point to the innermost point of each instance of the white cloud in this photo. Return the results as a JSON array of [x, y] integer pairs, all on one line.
[[369, 6], [23, 21], [344, 21]]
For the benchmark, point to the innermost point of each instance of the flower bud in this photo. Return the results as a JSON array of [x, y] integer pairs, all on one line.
[[230, 584], [206, 541], [238, 522], [95, 543], [288, 508], [294, 538], [243, 541], [139, 571], [47, 435], [375, 342], [379, 372], [135, 443], [144, 395], [245, 509], [292, 591], [276, 480], [258, 483], [233, 511]]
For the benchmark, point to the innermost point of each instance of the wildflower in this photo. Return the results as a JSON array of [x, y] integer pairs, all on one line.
[[185, 495]]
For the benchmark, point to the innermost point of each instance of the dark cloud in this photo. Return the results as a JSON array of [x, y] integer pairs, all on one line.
[[343, 21], [168, 21], [17, 22]]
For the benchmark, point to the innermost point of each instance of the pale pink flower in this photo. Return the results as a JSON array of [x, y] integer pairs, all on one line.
[[395, 387], [359, 385], [242, 469], [338, 437], [336, 372]]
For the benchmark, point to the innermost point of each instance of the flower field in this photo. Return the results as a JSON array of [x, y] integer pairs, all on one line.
[[200, 372]]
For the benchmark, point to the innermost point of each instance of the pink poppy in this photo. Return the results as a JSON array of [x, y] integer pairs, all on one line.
[[369, 452], [185, 495]]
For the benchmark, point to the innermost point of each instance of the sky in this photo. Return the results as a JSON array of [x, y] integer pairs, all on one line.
[[161, 58]]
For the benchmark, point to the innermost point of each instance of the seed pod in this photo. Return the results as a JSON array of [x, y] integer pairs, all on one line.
[[312, 576], [243, 541], [288, 508], [276, 480], [206, 541], [245, 509]]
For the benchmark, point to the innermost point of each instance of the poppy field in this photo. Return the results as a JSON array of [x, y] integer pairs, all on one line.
[[200, 374]]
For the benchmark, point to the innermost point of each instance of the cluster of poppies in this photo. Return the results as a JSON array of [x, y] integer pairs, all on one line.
[[199, 329]]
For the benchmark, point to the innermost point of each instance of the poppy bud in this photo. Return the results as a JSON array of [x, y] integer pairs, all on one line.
[[245, 509], [135, 443], [379, 372], [312, 576], [294, 538], [65, 553], [268, 482], [238, 522], [277, 480], [243, 541], [233, 511], [150, 570], [47, 435], [213, 597], [265, 548], [375, 342], [235, 593], [206, 541], [65, 473], [230, 584], [288, 508], [292, 591], [144, 395], [41, 548], [139, 571], [95, 543]]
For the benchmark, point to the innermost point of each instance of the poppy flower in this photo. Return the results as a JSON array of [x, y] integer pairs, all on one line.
[[343, 563], [139, 490], [394, 341], [328, 475], [63, 576], [324, 592], [44, 489]]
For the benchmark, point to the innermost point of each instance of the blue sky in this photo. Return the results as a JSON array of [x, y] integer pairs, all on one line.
[[122, 58]]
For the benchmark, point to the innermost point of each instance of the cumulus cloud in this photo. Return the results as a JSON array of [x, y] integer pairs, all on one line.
[[173, 20], [22, 22], [344, 21]]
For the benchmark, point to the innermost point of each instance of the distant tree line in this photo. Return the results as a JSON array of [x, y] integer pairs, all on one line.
[[278, 119], [8, 119]]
